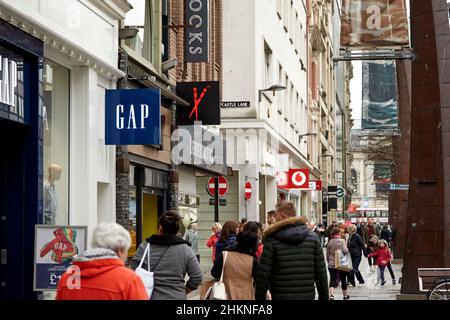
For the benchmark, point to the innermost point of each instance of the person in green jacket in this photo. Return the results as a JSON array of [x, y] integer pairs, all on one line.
[[292, 264]]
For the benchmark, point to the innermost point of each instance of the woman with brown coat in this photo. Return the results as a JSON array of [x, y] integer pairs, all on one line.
[[239, 266]]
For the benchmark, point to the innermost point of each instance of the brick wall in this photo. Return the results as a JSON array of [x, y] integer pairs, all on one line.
[[209, 71]]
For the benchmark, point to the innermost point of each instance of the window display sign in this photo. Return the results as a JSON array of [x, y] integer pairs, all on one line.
[[55, 246], [133, 116]]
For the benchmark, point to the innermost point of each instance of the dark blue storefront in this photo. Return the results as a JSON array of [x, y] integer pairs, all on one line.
[[21, 152]]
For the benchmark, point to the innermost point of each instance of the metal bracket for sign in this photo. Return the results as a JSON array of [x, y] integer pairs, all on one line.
[[378, 54]]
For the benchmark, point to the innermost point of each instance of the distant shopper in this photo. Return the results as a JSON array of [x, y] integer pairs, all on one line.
[[271, 217], [336, 243], [227, 237], [372, 247], [103, 272], [214, 238], [292, 265], [321, 233], [385, 234], [191, 236], [171, 258], [383, 257], [239, 267], [372, 228], [256, 228], [361, 229], [357, 249]]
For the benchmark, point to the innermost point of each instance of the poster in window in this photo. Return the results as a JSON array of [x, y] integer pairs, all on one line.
[[55, 247]]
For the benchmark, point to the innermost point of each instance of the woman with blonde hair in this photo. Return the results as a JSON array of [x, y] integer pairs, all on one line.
[[214, 238]]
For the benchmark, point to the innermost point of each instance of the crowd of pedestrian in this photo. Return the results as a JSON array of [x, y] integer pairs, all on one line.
[[283, 259]]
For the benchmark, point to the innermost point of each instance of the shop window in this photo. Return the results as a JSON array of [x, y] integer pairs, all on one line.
[[56, 144]]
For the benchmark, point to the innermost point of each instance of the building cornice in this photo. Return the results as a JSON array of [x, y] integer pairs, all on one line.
[[115, 8], [55, 42]]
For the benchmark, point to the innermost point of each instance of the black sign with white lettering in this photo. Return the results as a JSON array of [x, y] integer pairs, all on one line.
[[235, 104], [196, 33]]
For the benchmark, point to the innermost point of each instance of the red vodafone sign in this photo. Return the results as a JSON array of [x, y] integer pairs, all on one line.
[[294, 179], [248, 190], [223, 186]]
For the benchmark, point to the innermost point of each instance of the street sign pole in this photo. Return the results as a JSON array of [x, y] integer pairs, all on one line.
[[216, 199]]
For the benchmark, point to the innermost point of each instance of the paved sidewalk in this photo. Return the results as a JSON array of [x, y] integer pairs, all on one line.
[[368, 292]]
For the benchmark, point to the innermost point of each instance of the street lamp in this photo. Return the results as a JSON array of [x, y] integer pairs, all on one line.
[[300, 137], [275, 87]]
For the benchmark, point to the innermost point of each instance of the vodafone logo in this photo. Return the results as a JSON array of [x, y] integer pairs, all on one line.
[[299, 178], [293, 179]]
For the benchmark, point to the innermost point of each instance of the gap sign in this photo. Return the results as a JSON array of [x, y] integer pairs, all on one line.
[[133, 116]]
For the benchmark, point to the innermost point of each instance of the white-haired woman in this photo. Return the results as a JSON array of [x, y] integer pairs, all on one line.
[[103, 275]]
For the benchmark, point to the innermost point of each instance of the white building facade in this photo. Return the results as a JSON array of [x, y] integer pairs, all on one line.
[[265, 44], [80, 57]]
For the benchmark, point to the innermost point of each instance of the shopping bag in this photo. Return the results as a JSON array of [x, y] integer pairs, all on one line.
[[146, 275], [206, 286], [218, 290], [343, 261]]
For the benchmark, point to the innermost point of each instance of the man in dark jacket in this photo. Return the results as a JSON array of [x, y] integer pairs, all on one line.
[[363, 232], [357, 249], [292, 260], [386, 234]]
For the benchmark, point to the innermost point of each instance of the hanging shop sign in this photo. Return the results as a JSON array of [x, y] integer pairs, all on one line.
[[12, 90], [314, 185], [204, 98], [379, 97], [294, 179], [133, 116], [55, 246], [372, 24], [196, 33]]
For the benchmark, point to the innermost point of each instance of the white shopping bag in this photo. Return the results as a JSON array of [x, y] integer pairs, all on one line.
[[146, 275]]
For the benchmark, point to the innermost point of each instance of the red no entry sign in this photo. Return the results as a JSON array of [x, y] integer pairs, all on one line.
[[223, 186], [248, 190]]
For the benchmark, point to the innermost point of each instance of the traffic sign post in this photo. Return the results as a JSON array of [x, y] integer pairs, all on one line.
[[223, 186], [340, 192], [217, 188], [248, 190]]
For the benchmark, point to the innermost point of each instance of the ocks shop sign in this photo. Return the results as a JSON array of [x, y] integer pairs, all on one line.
[[196, 34], [133, 117]]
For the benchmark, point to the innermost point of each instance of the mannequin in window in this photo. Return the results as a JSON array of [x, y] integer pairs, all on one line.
[[50, 200]]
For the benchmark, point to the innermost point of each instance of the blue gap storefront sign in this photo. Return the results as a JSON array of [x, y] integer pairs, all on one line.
[[133, 116]]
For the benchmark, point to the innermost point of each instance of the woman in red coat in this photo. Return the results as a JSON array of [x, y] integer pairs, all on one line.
[[215, 236], [100, 273], [383, 257]]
